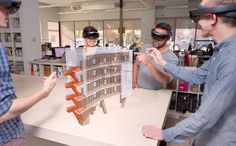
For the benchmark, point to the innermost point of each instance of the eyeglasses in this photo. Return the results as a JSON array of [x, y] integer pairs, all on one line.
[[158, 36], [196, 19]]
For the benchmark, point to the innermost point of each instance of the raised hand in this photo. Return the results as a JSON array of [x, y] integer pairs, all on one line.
[[156, 55], [141, 57], [49, 83]]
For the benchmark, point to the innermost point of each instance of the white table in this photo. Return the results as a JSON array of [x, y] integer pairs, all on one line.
[[119, 127]]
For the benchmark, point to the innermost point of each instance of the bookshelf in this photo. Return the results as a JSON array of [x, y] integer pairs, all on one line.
[[22, 37], [11, 39], [185, 98], [44, 67]]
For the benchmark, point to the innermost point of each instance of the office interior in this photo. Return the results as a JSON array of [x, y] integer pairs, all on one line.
[[46, 25]]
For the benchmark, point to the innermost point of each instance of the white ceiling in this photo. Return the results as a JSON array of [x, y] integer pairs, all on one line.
[[112, 5]]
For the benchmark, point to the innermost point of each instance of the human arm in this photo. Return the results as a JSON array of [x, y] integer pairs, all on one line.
[[135, 74], [159, 74], [197, 76], [20, 105], [219, 101]]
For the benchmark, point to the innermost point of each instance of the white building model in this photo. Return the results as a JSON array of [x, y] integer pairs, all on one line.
[[94, 74]]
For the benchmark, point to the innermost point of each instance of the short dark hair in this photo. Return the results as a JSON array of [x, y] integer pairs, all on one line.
[[164, 26], [88, 29], [227, 20]]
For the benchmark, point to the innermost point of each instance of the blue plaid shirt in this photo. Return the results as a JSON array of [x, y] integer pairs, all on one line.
[[12, 128]]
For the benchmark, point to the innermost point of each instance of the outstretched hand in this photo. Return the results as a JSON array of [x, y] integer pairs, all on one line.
[[49, 83], [156, 55], [150, 131], [141, 57]]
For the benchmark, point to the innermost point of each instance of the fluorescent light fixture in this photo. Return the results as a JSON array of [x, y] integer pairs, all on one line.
[[75, 12]]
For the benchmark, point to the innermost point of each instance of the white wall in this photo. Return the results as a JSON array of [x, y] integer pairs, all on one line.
[[29, 19], [161, 13], [47, 14]]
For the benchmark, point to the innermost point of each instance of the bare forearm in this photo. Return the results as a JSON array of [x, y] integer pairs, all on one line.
[[135, 71], [20, 105], [158, 74]]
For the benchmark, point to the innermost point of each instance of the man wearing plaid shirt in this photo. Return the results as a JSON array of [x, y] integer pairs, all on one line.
[[11, 127]]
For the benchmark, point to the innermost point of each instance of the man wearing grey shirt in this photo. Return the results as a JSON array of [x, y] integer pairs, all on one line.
[[213, 124], [146, 73]]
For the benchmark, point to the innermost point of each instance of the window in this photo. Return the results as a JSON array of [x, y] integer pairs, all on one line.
[[79, 26], [111, 35], [98, 24], [132, 32], [71, 32], [94, 84], [94, 72], [53, 33], [67, 34], [105, 91], [94, 61], [115, 89], [185, 32], [105, 81]]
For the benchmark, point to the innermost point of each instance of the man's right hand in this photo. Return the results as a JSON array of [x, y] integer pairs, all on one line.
[[49, 83], [156, 55], [134, 85]]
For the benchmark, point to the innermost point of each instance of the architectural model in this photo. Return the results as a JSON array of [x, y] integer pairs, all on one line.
[[94, 74]]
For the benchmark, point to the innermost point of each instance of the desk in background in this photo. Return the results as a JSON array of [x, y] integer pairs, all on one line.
[[119, 127]]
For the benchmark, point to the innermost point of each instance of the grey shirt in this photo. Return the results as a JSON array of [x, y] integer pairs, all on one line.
[[145, 78], [213, 124]]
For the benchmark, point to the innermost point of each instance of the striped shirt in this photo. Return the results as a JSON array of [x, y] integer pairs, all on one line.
[[12, 128]]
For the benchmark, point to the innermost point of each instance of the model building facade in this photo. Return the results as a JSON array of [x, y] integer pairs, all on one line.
[[94, 74]]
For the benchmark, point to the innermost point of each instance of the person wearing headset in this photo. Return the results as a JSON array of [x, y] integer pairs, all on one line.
[[11, 127], [90, 35], [145, 72], [213, 124]]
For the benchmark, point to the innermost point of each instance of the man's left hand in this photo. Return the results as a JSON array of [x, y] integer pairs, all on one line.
[[150, 131]]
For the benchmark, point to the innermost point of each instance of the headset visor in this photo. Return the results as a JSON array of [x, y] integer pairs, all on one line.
[[158, 36], [227, 10], [92, 35]]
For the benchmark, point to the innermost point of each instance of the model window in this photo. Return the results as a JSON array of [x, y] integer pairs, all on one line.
[[125, 58], [94, 84], [115, 58], [105, 70], [105, 91], [94, 95], [105, 59], [94, 72], [115, 79], [115, 89], [94, 61], [105, 82], [115, 69]]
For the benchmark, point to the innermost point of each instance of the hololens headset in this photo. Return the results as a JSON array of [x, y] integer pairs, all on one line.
[[11, 5], [91, 35], [227, 10], [158, 36]]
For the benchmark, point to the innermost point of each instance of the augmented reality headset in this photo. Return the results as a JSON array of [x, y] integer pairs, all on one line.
[[11, 5], [91, 35], [158, 36], [227, 10]]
